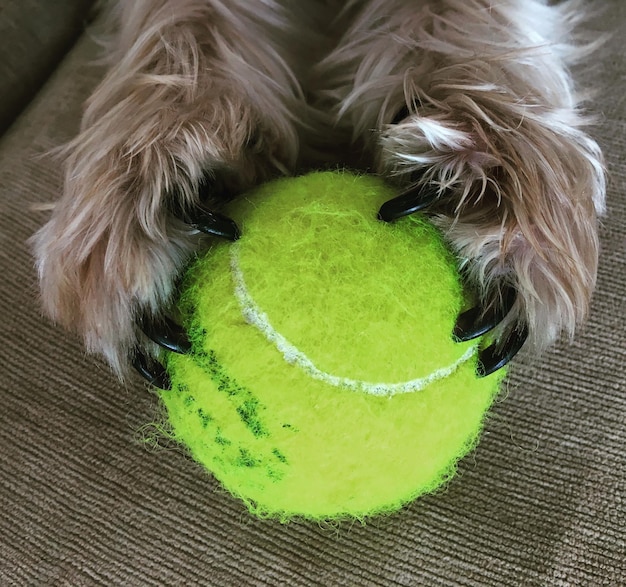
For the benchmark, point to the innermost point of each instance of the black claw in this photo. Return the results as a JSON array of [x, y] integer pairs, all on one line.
[[495, 357], [151, 370], [476, 321], [411, 201], [215, 224], [166, 333], [203, 219]]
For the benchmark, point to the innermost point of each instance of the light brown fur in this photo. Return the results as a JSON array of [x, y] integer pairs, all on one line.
[[246, 90]]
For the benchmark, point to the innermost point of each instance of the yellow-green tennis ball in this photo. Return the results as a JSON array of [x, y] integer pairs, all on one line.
[[324, 382]]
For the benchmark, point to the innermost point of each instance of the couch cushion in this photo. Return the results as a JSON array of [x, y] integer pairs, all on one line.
[[34, 37]]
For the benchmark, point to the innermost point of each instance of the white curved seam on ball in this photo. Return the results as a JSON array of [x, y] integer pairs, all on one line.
[[256, 317]]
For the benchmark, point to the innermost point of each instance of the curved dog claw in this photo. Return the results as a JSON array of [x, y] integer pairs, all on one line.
[[215, 224], [167, 334], [203, 219], [476, 321], [411, 201], [151, 370], [497, 356]]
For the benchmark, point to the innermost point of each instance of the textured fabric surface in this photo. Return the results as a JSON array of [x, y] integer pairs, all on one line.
[[34, 36], [83, 501]]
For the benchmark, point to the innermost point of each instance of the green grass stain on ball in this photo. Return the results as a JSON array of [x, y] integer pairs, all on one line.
[[324, 382]]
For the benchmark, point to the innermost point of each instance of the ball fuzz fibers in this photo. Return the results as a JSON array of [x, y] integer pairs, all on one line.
[[324, 382]]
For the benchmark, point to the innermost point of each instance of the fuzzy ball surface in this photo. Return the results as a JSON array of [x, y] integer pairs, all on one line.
[[323, 381]]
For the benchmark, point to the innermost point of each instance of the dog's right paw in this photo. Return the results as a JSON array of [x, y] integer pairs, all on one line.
[[108, 261], [187, 97]]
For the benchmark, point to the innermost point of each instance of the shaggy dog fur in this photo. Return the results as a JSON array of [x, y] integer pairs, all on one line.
[[212, 96]]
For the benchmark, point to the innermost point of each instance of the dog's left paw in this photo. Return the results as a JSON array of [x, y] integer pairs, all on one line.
[[470, 107], [518, 205]]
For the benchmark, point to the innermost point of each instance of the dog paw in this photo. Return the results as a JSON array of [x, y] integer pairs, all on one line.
[[189, 114], [519, 207], [108, 260]]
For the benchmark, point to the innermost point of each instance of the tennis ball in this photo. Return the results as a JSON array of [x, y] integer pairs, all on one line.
[[323, 381]]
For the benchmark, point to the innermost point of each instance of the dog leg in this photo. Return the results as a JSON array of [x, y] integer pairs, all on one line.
[[470, 107], [200, 101]]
